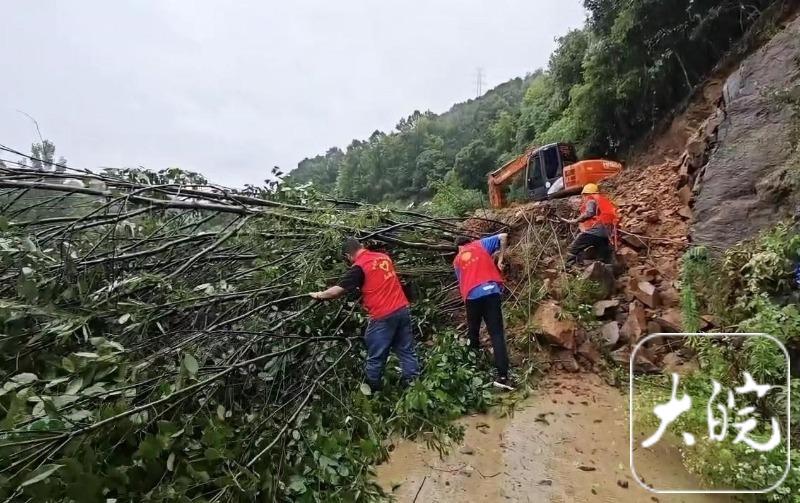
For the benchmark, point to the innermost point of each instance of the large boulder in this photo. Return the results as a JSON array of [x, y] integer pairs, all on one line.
[[636, 324], [747, 184], [552, 323], [645, 292], [610, 333], [671, 320]]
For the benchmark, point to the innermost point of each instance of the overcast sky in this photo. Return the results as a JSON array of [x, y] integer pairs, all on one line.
[[232, 88]]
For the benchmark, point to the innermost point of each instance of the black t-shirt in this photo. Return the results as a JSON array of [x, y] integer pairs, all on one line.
[[353, 279]]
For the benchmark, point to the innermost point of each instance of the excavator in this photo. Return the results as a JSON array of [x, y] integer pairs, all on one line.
[[552, 171]]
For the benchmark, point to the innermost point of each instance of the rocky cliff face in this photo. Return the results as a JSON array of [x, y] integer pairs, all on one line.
[[751, 178]]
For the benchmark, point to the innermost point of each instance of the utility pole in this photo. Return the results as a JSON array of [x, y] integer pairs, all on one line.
[[479, 82]]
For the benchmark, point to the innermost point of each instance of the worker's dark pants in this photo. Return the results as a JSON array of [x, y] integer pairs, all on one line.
[[585, 241], [390, 333], [488, 309]]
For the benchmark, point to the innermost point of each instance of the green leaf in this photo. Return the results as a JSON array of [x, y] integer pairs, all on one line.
[[325, 461], [3, 223], [150, 447], [298, 484], [56, 382], [95, 389], [365, 389], [28, 245], [42, 473], [79, 415], [84, 354], [25, 378], [171, 461], [190, 364], [68, 364], [221, 412], [212, 454], [74, 386], [124, 318]]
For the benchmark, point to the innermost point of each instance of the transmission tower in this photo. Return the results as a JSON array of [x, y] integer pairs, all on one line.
[[479, 82]]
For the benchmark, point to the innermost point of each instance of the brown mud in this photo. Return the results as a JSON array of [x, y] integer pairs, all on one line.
[[568, 443]]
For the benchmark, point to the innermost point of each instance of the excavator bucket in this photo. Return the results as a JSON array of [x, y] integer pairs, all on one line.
[[590, 171]]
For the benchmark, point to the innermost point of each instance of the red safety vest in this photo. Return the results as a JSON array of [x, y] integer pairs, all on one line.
[[606, 212], [381, 293], [475, 267]]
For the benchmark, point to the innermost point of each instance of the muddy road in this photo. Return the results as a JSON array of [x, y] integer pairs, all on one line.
[[568, 443]]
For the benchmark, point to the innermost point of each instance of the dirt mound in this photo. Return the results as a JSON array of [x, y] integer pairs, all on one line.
[[654, 196]]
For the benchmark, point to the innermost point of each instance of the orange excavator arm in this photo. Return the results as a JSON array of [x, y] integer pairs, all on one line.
[[499, 177]]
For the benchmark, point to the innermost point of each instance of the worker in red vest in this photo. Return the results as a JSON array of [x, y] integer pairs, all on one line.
[[481, 285], [597, 223], [386, 304]]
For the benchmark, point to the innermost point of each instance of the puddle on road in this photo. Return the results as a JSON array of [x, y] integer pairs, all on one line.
[[568, 444]]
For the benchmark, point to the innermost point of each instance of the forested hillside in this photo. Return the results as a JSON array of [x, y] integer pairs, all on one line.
[[605, 86]]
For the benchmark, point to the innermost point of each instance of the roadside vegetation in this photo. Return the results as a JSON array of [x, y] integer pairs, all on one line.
[[158, 343], [751, 288]]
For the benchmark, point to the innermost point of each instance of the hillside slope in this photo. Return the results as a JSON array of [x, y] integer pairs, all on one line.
[[752, 176]]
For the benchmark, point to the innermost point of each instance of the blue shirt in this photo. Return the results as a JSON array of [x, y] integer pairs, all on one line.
[[491, 245]]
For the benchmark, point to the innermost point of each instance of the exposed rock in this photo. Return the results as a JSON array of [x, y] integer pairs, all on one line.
[[642, 363], [566, 359], [685, 212], [627, 255], [669, 296], [604, 306], [696, 153], [549, 317], [467, 450], [685, 195], [711, 321], [674, 363], [646, 292], [651, 217], [643, 273], [745, 186], [636, 323], [684, 172], [671, 320], [603, 275], [633, 241], [590, 352], [610, 332]]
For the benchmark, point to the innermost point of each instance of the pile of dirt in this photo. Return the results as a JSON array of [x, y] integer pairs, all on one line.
[[701, 178], [654, 196]]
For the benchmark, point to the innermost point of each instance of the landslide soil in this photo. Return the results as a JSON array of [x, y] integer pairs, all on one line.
[[567, 444]]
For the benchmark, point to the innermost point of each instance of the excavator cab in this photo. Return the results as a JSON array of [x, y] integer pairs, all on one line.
[[546, 169], [550, 171]]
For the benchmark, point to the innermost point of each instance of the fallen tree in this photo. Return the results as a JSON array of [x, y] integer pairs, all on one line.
[[158, 342]]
